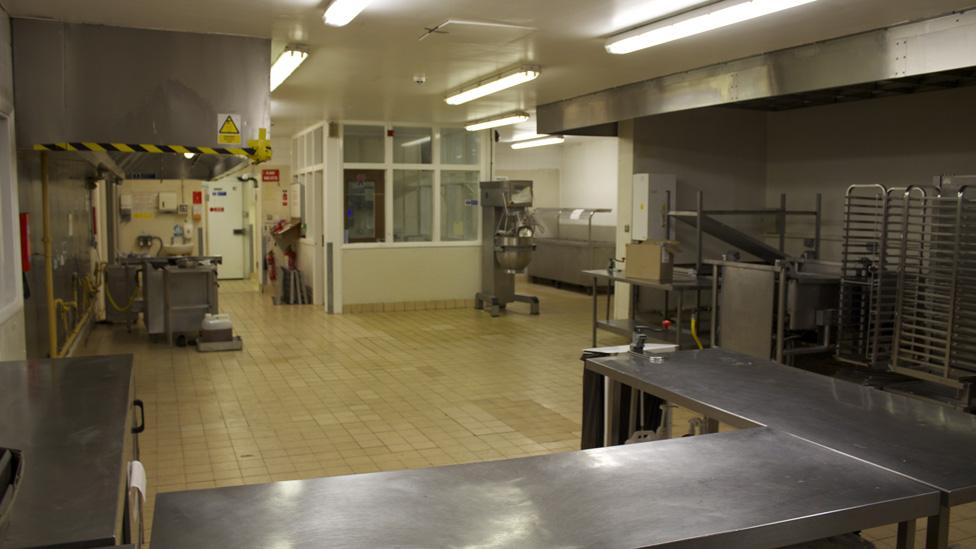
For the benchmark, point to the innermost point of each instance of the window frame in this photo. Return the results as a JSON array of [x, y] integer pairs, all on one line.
[[436, 166], [303, 173]]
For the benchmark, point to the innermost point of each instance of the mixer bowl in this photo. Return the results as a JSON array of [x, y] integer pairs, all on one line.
[[513, 253]]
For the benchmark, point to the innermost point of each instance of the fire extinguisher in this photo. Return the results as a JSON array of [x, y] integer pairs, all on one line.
[[292, 258], [270, 260]]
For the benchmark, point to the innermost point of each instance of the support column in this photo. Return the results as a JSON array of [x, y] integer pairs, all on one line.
[[625, 191]]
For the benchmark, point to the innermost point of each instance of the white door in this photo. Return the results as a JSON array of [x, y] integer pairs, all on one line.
[[226, 236]]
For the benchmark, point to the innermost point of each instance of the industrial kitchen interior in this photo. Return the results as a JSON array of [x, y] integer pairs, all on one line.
[[612, 274]]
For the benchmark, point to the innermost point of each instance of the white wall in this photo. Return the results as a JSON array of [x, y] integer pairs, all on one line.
[[158, 223], [393, 275], [589, 176], [580, 173], [721, 152], [895, 141], [746, 159], [542, 166]]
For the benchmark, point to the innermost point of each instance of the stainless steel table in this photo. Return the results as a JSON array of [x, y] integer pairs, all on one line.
[[679, 286], [71, 419], [920, 440], [749, 489]]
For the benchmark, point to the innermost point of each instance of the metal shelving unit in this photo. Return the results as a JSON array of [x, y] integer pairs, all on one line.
[[871, 250], [936, 311]]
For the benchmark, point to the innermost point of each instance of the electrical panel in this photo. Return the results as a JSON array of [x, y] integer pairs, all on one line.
[[654, 196], [167, 202]]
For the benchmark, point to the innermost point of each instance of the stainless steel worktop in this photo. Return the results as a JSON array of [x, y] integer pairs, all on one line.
[[923, 441], [70, 418], [749, 489]]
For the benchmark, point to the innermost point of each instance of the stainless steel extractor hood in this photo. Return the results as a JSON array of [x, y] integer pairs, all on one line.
[[78, 83], [932, 54]]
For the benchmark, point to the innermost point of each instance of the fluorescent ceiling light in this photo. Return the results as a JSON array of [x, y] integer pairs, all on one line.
[[697, 21], [493, 84], [529, 143], [415, 142], [341, 12], [527, 136], [189, 155], [498, 121], [286, 64], [653, 10]]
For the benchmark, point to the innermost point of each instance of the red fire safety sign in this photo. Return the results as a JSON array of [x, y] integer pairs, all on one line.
[[270, 176]]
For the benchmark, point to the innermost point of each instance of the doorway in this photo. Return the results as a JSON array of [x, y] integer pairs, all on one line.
[[226, 234], [364, 203]]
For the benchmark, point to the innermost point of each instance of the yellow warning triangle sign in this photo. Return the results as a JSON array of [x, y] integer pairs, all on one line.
[[229, 127]]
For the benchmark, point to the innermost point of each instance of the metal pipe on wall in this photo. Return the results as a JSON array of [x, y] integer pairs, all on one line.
[[52, 325]]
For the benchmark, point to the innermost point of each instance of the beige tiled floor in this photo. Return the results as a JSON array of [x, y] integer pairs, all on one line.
[[316, 395]]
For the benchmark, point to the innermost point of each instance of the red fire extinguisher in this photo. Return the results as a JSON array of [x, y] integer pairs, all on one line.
[[272, 271], [25, 251], [292, 258]]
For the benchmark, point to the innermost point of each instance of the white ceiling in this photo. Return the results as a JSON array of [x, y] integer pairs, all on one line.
[[365, 71]]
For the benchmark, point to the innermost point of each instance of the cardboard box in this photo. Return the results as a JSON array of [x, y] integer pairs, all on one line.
[[650, 260]]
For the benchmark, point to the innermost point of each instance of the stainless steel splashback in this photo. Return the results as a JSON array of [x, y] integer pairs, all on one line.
[[894, 54], [92, 83]]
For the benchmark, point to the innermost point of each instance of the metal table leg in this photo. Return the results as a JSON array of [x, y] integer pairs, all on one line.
[[937, 534], [634, 419], [611, 390], [595, 293], [906, 535], [677, 318]]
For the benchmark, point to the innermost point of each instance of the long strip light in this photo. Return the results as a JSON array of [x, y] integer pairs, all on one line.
[[493, 84], [507, 119], [697, 21], [653, 10], [541, 142], [341, 12], [286, 64], [415, 142]]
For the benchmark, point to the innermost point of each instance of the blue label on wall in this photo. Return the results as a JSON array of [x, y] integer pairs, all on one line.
[[220, 193], [471, 202]]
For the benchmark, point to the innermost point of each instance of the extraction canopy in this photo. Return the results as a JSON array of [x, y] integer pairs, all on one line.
[[93, 86], [915, 57]]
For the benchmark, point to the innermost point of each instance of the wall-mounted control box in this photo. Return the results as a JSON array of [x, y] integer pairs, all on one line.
[[654, 196], [167, 202]]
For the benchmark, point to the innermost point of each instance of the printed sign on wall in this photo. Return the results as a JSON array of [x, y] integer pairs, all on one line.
[[229, 129], [270, 176]]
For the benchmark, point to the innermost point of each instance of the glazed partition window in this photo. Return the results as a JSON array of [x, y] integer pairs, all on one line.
[[459, 199], [411, 185]]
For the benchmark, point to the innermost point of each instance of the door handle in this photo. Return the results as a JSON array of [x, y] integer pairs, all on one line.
[[238, 231], [142, 417]]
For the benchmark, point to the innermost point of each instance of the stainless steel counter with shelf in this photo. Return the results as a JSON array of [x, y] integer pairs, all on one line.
[[682, 283], [72, 420], [920, 440]]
